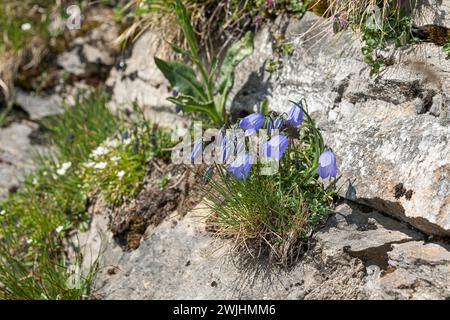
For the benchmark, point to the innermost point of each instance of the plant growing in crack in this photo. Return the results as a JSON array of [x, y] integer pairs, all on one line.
[[208, 95], [269, 192]]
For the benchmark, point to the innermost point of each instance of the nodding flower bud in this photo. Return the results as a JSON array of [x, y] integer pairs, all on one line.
[[197, 149], [295, 116], [269, 126], [276, 146], [278, 123], [240, 168], [327, 164], [254, 121]]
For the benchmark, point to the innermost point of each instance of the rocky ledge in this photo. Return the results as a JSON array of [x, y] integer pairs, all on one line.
[[358, 254]]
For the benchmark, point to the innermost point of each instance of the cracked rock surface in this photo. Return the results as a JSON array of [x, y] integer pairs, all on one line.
[[16, 150], [389, 130], [354, 256]]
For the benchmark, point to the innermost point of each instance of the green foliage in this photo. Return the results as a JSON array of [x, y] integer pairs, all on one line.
[[446, 47], [14, 15], [282, 48], [275, 213], [191, 94], [46, 278], [4, 115], [81, 127], [35, 220], [297, 7], [117, 168], [393, 28]]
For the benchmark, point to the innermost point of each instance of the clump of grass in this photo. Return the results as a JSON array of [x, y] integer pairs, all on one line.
[[82, 127], [48, 277], [276, 213], [35, 220], [116, 169]]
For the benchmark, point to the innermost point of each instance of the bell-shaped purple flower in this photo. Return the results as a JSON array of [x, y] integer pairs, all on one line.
[[276, 146], [240, 168], [197, 149], [295, 116], [254, 121], [327, 164], [224, 149], [269, 126], [278, 123]]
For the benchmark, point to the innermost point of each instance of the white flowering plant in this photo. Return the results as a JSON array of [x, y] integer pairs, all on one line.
[[116, 169]]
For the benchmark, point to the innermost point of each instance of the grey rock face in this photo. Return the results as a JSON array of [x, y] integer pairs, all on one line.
[[92, 54], [435, 12], [137, 79], [15, 154], [384, 129], [38, 106], [351, 257], [421, 271]]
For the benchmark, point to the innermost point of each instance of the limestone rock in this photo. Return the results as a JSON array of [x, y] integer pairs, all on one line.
[[93, 53], [38, 106], [421, 271], [15, 154], [436, 12], [352, 257], [137, 79], [384, 129]]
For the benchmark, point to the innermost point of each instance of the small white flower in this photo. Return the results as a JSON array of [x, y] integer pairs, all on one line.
[[59, 229], [121, 173], [2, 213], [99, 151], [29, 241], [25, 26], [100, 165], [127, 141], [112, 143], [63, 169], [35, 181], [44, 173], [115, 158], [90, 164]]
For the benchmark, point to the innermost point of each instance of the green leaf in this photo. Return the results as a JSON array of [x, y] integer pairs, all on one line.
[[179, 50], [191, 104], [182, 77], [238, 52], [186, 27], [265, 106]]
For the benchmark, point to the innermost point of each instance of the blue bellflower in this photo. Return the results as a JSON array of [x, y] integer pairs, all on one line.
[[269, 126], [278, 123], [255, 121], [197, 149], [295, 116], [240, 168], [327, 164], [224, 150], [276, 146]]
